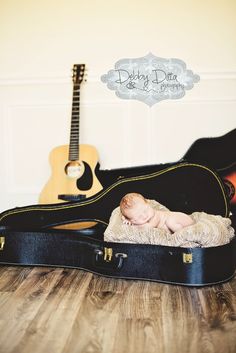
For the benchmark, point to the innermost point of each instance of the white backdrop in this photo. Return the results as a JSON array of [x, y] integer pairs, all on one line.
[[40, 42]]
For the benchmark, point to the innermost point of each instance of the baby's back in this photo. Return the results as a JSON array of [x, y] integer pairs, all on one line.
[[172, 221]]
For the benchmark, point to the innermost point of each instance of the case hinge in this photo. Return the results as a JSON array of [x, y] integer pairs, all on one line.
[[2, 242]]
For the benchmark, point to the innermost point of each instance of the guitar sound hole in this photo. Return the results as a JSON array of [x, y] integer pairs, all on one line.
[[73, 169], [86, 180]]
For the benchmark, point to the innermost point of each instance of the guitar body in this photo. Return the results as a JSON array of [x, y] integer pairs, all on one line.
[[62, 184]]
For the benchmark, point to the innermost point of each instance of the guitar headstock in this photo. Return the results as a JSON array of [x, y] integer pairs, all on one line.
[[78, 73]]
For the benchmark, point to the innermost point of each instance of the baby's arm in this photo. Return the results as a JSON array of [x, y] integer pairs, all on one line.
[[178, 220], [129, 223]]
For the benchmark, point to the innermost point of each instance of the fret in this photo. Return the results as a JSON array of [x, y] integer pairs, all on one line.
[[74, 153], [74, 149]]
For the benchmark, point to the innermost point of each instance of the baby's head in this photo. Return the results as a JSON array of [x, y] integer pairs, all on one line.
[[136, 209]]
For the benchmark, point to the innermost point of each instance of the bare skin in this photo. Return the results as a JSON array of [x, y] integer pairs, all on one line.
[[137, 211]]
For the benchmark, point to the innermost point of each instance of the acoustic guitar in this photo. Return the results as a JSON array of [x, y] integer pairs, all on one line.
[[73, 166]]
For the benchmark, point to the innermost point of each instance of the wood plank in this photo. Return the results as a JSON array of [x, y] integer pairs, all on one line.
[[22, 306], [96, 323], [68, 311], [12, 277], [218, 305], [52, 324]]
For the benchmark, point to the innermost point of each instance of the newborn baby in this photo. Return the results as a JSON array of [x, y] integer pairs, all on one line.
[[136, 210]]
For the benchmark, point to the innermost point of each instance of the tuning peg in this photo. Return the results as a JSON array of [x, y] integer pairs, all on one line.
[[85, 76]]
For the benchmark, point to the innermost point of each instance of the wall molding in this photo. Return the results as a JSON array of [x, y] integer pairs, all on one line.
[[86, 103], [94, 77]]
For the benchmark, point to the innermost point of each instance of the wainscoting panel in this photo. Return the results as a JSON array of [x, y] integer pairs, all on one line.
[[35, 117]]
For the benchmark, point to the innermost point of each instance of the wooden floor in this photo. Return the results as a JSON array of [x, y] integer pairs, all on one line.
[[59, 310]]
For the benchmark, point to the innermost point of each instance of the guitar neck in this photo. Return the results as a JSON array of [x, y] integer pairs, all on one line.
[[75, 120]]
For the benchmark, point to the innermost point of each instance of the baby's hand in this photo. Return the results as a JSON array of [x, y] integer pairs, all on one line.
[[125, 221]]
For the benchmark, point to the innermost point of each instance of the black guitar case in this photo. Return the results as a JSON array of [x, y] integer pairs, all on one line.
[[42, 235]]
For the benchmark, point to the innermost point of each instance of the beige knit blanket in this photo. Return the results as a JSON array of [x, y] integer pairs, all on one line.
[[208, 230]]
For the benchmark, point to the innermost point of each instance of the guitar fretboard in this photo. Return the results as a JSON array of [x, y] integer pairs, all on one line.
[[74, 129]]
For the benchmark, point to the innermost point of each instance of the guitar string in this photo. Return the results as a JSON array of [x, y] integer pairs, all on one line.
[[75, 124]]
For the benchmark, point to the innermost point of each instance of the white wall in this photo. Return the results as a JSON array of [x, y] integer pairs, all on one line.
[[41, 40]]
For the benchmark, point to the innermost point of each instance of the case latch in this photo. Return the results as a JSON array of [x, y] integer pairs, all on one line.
[[2, 242], [108, 252], [187, 258], [107, 259]]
